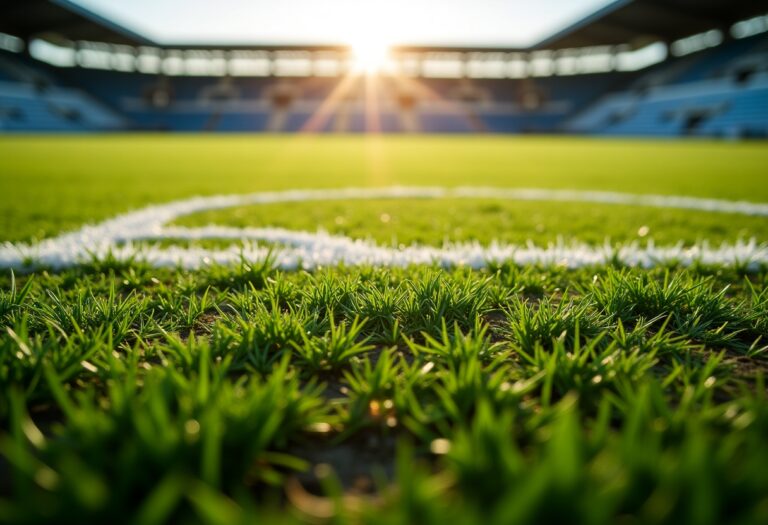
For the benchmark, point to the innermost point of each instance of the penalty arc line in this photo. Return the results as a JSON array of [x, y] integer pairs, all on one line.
[[117, 237]]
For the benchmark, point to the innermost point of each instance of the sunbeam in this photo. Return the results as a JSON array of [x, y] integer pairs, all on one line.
[[325, 111]]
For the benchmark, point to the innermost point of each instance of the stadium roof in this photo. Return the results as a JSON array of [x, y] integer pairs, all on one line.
[[31, 18], [638, 22], [633, 22]]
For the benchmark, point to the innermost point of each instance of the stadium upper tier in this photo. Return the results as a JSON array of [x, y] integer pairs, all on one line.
[[649, 77]]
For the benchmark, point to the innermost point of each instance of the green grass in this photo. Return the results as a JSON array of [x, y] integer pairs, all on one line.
[[243, 394], [435, 222], [141, 395], [52, 184]]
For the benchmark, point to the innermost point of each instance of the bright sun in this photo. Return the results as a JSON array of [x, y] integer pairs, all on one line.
[[369, 55]]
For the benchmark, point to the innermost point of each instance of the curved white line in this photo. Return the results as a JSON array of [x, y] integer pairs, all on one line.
[[115, 236]]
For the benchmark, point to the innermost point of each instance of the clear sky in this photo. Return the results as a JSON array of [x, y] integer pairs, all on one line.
[[439, 22]]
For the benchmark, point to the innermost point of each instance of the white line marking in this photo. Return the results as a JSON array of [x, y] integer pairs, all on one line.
[[117, 236]]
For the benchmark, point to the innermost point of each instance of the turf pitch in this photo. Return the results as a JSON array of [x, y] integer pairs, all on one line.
[[413, 395]]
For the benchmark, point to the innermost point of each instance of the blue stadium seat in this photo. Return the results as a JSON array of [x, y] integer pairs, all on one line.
[[25, 108]]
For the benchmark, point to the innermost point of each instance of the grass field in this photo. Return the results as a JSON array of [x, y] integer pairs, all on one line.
[[52, 184], [240, 394]]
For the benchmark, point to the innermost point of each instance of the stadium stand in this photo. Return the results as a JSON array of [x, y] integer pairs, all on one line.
[[719, 93], [717, 87]]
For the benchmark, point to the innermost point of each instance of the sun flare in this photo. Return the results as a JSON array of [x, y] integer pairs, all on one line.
[[369, 55]]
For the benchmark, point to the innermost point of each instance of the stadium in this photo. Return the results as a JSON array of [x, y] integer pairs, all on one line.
[[366, 262], [631, 68]]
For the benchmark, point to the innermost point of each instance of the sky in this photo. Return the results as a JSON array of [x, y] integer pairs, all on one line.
[[508, 23]]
